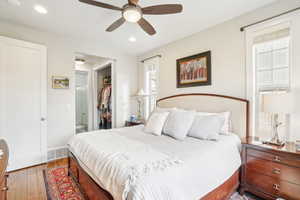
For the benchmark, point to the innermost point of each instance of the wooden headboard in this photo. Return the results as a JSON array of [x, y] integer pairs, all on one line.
[[214, 103]]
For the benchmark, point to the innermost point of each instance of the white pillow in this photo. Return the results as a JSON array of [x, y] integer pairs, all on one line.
[[162, 110], [206, 127], [226, 128], [156, 123], [179, 123]]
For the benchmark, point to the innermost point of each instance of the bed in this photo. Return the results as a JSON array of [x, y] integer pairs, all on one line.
[[211, 171]]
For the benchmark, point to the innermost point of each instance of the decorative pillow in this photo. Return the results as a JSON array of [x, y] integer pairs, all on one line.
[[161, 110], [226, 128], [156, 123], [179, 123], [206, 127]]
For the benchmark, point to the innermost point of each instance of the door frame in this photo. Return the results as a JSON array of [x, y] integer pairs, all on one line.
[[44, 89], [111, 63]]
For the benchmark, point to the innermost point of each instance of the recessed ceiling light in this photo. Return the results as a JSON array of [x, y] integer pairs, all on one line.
[[40, 9], [132, 39], [79, 61]]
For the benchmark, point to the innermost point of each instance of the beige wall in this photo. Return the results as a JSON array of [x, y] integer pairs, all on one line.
[[61, 52], [227, 45]]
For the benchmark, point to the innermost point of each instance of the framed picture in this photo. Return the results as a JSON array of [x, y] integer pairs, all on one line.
[[60, 82], [194, 70]]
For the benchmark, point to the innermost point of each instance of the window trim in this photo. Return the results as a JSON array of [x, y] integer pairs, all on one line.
[[250, 33]]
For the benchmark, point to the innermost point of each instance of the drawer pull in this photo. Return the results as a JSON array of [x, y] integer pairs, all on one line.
[[276, 171], [4, 189], [277, 159], [276, 187]]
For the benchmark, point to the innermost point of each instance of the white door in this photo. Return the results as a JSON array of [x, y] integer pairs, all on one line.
[[23, 90]]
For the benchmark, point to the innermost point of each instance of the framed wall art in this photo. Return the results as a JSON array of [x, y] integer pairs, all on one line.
[[194, 70], [60, 82]]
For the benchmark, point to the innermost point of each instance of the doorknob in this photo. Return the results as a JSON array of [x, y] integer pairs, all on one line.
[[43, 119]]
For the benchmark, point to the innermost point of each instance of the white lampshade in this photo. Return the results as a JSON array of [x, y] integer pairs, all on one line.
[[141, 92], [282, 102]]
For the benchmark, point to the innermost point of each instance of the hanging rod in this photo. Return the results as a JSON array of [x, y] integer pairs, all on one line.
[[151, 58], [267, 19]]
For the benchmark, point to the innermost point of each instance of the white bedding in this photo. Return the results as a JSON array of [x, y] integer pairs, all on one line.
[[205, 165]]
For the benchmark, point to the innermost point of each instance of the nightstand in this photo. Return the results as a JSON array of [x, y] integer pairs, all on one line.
[[270, 172], [129, 123]]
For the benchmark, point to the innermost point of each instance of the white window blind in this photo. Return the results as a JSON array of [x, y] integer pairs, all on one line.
[[272, 61], [151, 82]]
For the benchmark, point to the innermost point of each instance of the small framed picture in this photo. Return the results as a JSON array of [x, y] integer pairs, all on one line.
[[194, 70], [60, 82]]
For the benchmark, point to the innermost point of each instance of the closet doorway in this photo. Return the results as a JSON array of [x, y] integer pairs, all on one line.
[[95, 93], [103, 101]]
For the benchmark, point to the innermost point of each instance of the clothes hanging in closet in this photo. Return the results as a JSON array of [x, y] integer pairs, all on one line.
[[104, 106], [104, 98]]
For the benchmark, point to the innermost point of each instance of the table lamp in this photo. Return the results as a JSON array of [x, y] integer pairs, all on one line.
[[277, 103], [140, 99]]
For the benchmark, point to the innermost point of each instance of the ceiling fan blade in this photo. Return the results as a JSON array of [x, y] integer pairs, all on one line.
[[134, 2], [146, 26], [102, 5], [163, 9], [115, 25]]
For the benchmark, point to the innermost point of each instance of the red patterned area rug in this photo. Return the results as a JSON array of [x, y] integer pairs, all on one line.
[[60, 186]]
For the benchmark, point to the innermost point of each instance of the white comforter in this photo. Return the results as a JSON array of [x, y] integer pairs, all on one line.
[[204, 164]]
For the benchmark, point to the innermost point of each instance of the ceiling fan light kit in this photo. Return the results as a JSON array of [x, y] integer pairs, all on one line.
[[132, 12]]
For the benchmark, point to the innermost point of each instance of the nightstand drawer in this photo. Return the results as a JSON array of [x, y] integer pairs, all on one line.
[[273, 186], [275, 170], [279, 158]]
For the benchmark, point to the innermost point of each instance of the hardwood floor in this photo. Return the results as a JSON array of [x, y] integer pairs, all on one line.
[[28, 184]]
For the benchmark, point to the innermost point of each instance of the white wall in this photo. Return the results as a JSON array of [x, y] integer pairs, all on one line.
[[227, 45], [61, 51]]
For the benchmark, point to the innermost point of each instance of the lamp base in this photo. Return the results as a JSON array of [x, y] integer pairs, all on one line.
[[275, 143]]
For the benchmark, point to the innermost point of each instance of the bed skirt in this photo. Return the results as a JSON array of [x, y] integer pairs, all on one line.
[[92, 191]]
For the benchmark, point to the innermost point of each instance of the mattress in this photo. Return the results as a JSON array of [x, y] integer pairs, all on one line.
[[205, 164]]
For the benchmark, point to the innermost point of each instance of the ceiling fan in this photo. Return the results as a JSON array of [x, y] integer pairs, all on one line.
[[132, 12]]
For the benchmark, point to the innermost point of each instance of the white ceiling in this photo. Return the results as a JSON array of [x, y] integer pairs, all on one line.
[[72, 18]]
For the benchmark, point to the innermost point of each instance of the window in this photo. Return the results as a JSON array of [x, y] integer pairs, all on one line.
[[151, 70], [152, 89], [272, 65]]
